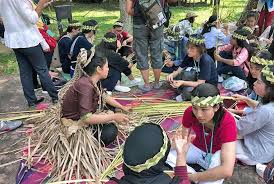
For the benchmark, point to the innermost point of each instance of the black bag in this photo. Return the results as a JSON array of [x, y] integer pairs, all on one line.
[[153, 13], [167, 14]]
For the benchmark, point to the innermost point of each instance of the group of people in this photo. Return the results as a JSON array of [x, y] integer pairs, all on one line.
[[196, 61]]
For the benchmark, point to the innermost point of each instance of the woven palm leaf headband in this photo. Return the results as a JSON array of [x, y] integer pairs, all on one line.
[[154, 160], [268, 74], [206, 101], [109, 40], [118, 24], [261, 61], [75, 24], [90, 28], [249, 29], [172, 34], [196, 41], [238, 36]]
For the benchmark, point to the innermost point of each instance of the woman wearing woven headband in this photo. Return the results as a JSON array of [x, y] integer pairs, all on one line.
[[145, 153], [84, 40], [213, 35], [64, 44], [174, 50], [257, 127], [216, 134], [84, 100], [258, 62], [233, 58], [117, 64], [197, 68]]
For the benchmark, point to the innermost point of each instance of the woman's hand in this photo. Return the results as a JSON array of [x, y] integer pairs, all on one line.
[[177, 84], [217, 57], [170, 77], [240, 97], [169, 63], [127, 109], [120, 118]]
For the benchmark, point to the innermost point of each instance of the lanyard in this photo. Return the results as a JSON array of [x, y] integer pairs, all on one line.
[[208, 152]]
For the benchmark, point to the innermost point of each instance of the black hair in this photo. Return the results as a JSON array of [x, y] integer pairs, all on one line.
[[206, 90], [244, 43], [108, 46], [269, 97], [271, 49], [252, 14], [96, 61], [70, 28], [209, 24], [89, 23], [115, 26], [191, 19]]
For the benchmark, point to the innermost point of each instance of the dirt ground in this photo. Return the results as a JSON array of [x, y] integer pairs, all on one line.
[[12, 99]]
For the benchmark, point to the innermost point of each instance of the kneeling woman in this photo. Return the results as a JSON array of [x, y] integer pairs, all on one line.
[[85, 99], [117, 64], [257, 127], [197, 68], [215, 128]]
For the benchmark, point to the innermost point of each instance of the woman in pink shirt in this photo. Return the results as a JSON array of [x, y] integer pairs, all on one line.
[[233, 57]]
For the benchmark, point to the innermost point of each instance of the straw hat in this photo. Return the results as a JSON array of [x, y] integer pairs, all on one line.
[[191, 14]]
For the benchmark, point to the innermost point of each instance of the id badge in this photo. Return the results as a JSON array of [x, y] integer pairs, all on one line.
[[205, 162]]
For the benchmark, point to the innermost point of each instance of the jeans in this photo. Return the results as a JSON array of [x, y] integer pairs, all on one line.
[[223, 68], [33, 58]]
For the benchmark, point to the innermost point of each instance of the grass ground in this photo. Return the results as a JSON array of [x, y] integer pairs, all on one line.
[[107, 13]]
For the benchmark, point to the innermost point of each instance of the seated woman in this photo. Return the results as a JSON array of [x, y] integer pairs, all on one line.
[[85, 100], [147, 166], [117, 64], [213, 35], [215, 144], [257, 128], [267, 36], [197, 68], [64, 45], [258, 62], [173, 53], [233, 58], [84, 40]]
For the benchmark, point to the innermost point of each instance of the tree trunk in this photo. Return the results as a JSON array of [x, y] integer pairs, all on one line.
[[125, 18], [216, 7], [251, 4]]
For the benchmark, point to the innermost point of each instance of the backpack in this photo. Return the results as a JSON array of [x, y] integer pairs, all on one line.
[[153, 13]]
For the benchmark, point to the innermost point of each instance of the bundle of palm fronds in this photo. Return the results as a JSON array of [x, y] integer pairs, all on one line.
[[71, 147]]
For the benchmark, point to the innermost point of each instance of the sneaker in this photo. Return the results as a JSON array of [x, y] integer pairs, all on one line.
[[9, 125], [220, 78], [260, 168], [109, 93], [157, 85], [123, 89], [135, 81], [145, 88], [44, 92]]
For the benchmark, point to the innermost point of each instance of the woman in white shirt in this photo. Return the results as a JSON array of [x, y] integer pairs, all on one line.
[[22, 35], [213, 35]]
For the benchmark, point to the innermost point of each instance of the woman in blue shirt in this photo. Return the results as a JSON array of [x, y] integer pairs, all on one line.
[[83, 40], [213, 35], [64, 45]]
